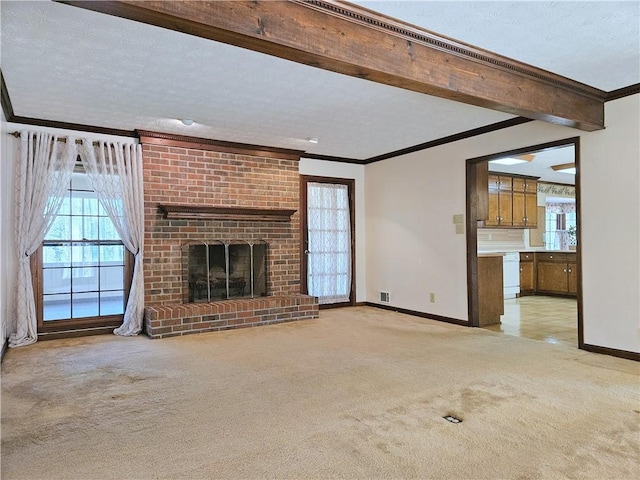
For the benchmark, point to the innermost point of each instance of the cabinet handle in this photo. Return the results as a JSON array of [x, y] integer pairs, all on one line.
[[550, 256], [564, 270], [569, 270], [520, 268]]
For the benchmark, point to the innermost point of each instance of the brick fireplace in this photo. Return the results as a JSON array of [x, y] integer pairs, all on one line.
[[198, 190]]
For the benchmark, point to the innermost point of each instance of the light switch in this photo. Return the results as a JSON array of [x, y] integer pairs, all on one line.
[[458, 218], [459, 228]]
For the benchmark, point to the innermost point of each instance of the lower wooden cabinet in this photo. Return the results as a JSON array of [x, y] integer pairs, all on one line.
[[557, 273], [527, 274]]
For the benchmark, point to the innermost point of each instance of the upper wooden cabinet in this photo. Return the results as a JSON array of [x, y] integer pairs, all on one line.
[[512, 201]]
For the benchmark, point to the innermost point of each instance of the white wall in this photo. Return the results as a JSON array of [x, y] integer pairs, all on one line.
[[323, 168], [412, 248]]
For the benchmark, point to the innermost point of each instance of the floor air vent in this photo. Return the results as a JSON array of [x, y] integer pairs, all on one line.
[[452, 419], [385, 297]]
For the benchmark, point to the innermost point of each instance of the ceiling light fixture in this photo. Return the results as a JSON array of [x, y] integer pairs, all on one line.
[[187, 121], [565, 168], [313, 140]]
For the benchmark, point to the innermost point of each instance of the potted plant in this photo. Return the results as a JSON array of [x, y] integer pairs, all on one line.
[[572, 232]]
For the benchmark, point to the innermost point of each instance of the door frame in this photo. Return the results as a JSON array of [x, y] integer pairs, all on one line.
[[304, 239], [473, 176]]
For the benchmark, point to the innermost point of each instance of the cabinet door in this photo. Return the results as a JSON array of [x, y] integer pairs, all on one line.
[[572, 279], [519, 184], [531, 186], [493, 219], [526, 277], [519, 209], [505, 200], [530, 210], [552, 277]]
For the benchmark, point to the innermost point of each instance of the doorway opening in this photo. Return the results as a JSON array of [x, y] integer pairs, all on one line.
[[524, 205]]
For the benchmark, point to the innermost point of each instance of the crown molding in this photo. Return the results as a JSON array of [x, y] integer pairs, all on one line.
[[623, 92]]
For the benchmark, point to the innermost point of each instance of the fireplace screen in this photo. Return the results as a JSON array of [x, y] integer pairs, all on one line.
[[225, 269]]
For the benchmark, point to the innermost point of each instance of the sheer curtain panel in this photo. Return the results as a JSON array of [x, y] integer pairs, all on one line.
[[43, 173], [115, 172]]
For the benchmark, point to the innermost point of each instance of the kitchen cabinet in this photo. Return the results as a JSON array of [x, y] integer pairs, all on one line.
[[500, 201], [512, 201], [490, 289], [525, 202], [557, 273], [527, 273]]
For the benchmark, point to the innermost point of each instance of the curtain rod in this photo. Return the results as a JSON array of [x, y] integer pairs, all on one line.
[[63, 140]]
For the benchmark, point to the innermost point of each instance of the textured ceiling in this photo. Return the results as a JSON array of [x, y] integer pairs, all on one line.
[[596, 43], [70, 65]]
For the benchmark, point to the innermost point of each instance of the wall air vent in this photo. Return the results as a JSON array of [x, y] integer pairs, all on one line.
[[385, 297]]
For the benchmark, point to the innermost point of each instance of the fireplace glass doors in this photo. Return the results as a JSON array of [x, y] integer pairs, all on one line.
[[222, 270]]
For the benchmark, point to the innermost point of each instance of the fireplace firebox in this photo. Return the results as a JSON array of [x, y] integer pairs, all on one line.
[[225, 269]]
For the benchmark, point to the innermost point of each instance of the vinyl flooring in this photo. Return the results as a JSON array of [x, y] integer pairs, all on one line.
[[549, 319]]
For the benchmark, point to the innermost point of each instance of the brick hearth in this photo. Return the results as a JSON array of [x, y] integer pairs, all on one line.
[[190, 172]]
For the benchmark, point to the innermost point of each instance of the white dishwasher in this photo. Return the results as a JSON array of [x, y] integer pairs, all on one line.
[[511, 274]]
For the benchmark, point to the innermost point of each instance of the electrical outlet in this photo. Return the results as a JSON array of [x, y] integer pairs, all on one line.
[[432, 297]]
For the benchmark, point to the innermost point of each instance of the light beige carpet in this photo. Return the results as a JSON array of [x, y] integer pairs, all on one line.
[[359, 394]]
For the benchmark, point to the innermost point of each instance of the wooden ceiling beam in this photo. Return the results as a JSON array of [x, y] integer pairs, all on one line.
[[352, 40]]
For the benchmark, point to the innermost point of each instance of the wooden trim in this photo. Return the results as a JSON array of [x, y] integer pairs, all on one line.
[[200, 212], [304, 241], [74, 333], [5, 100], [72, 126], [623, 92], [614, 352], [368, 45], [315, 156], [472, 227], [5, 348], [532, 149], [451, 138], [173, 140], [562, 166], [414, 313]]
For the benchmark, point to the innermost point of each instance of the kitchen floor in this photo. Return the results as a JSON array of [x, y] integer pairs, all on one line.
[[550, 319]]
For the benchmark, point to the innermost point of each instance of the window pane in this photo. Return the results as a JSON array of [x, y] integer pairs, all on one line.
[[56, 307], [60, 229], [111, 254], [111, 278], [77, 228], [84, 254], [90, 205], [85, 279], [56, 280], [76, 204], [85, 305], [91, 228], [56, 255], [80, 181], [107, 230], [112, 303]]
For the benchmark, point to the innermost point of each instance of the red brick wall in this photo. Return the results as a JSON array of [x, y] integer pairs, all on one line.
[[177, 175]]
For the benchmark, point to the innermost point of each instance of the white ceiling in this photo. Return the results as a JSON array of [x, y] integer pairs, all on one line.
[[70, 65]]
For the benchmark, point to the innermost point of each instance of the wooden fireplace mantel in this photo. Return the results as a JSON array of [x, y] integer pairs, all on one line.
[[204, 212]]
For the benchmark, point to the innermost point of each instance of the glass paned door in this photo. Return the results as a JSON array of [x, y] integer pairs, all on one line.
[[328, 248]]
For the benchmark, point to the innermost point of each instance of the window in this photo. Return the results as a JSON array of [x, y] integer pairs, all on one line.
[[83, 268], [559, 218]]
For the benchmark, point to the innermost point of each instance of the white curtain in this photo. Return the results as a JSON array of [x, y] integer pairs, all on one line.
[[329, 231], [115, 173], [43, 174]]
